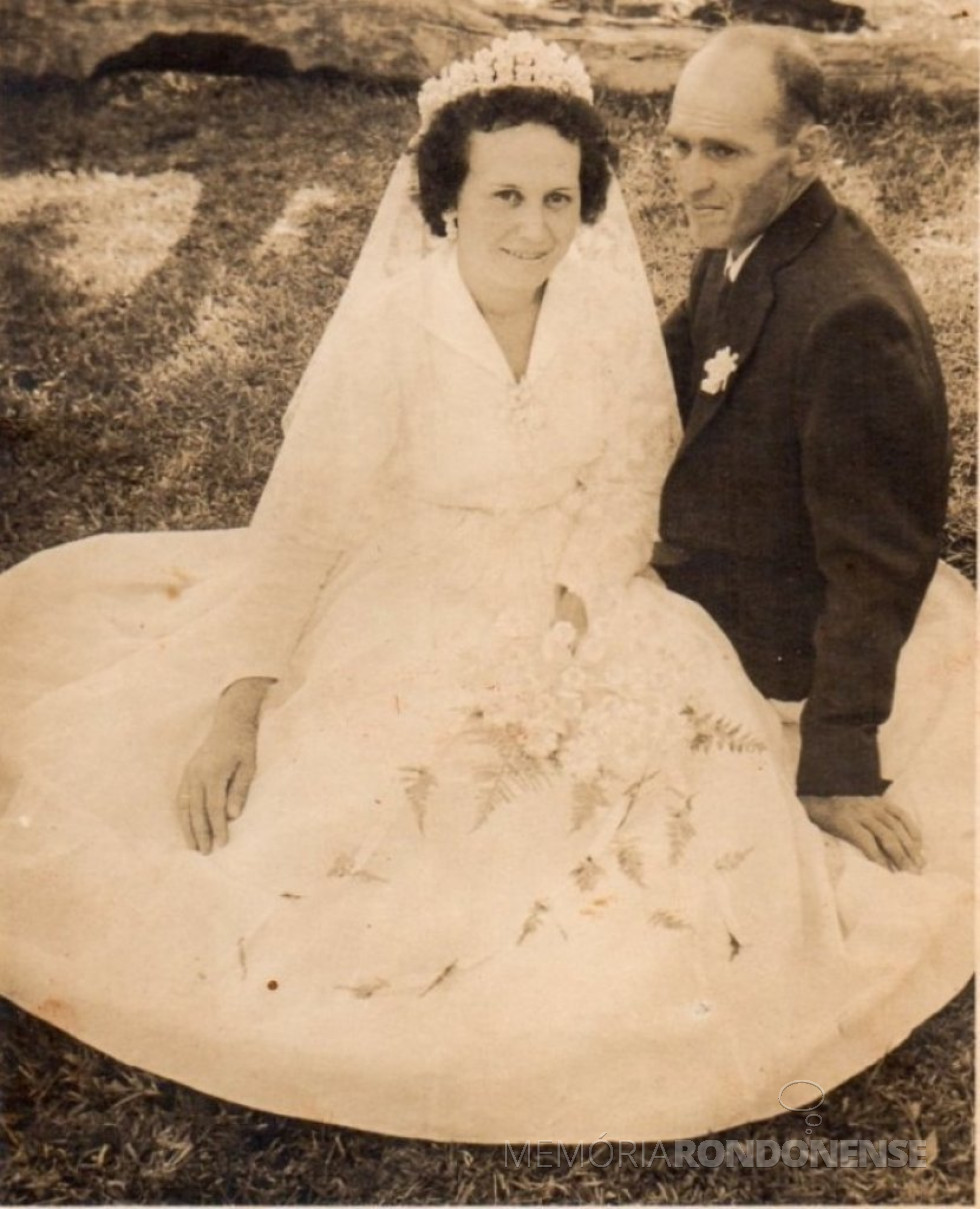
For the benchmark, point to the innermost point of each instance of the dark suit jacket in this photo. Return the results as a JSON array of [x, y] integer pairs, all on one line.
[[805, 506]]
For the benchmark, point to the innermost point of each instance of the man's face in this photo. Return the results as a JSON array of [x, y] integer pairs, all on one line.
[[735, 172]]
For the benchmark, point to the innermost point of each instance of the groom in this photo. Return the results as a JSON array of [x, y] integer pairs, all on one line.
[[805, 506]]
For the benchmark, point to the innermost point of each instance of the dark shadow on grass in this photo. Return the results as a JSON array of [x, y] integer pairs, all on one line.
[[235, 55], [87, 430], [216, 54], [35, 310], [249, 144]]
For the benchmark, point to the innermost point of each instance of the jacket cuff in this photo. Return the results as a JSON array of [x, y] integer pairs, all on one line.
[[839, 761]]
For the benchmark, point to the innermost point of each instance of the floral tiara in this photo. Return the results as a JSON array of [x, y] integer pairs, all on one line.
[[519, 60]]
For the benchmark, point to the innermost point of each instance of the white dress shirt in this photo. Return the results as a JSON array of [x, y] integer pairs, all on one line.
[[734, 264]]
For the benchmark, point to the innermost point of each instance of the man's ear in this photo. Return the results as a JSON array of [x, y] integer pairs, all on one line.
[[812, 144]]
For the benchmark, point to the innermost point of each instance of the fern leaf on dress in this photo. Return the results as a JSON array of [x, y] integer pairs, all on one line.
[[680, 830], [586, 874], [731, 860], [418, 784], [587, 798], [718, 733], [630, 861], [533, 921], [512, 773], [662, 918]]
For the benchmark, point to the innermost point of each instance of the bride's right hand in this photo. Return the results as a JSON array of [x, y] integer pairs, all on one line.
[[218, 775]]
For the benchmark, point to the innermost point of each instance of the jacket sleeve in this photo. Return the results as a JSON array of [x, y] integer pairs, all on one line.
[[875, 463]]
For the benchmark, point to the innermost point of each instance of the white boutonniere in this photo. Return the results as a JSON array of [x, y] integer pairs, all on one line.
[[718, 369]]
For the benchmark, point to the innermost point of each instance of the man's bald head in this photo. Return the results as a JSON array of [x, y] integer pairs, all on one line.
[[783, 56]]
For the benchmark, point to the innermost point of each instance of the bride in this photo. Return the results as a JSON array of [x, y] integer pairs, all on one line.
[[514, 851]]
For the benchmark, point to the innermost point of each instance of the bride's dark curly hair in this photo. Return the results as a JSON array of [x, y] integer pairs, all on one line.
[[443, 151]]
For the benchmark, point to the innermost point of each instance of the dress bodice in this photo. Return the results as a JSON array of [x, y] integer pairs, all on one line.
[[409, 405], [473, 436]]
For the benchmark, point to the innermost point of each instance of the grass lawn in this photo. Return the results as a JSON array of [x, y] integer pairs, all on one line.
[[171, 246]]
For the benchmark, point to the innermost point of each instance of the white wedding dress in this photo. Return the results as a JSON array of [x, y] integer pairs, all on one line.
[[485, 888]]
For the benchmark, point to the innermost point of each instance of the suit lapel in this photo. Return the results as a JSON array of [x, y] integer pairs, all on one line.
[[732, 316]]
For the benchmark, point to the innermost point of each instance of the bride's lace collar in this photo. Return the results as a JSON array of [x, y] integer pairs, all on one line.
[[453, 316]]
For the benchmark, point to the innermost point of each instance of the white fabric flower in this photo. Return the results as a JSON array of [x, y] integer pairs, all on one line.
[[718, 369]]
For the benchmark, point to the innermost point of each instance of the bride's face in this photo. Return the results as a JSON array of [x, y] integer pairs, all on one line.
[[518, 209]]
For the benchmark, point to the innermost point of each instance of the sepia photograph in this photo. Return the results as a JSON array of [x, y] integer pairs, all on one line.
[[487, 601]]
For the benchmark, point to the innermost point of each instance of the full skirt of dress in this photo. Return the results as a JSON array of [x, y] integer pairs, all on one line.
[[486, 887]]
